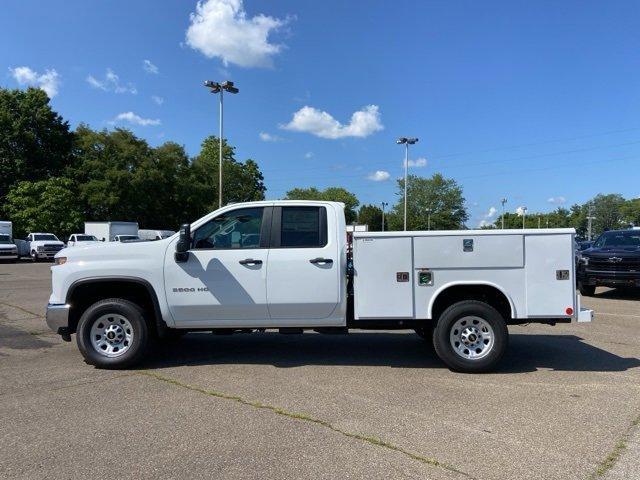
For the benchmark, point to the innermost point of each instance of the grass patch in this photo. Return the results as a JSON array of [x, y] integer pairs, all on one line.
[[310, 419], [611, 459]]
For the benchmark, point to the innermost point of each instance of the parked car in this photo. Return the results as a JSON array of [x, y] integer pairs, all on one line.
[[584, 245], [108, 231], [8, 249], [612, 261], [79, 239], [146, 234], [285, 265], [127, 238], [41, 245]]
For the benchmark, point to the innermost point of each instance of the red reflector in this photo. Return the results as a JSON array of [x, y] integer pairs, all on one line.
[[569, 311]]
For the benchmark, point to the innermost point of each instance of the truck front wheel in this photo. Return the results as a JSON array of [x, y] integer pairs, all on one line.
[[112, 334], [471, 337]]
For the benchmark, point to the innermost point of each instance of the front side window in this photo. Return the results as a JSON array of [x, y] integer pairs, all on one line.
[[231, 230], [301, 228]]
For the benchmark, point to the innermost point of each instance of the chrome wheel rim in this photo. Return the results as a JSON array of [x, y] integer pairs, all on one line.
[[111, 335], [472, 338]]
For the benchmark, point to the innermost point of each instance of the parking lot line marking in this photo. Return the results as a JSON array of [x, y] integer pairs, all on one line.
[[307, 418], [618, 314], [617, 451], [21, 309]]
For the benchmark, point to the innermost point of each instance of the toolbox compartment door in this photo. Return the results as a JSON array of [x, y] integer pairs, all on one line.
[[383, 277], [469, 251]]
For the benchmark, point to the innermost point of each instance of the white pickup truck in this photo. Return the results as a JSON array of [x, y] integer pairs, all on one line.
[[40, 245], [287, 265]]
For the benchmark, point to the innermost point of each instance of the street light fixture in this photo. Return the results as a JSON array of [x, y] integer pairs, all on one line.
[[428, 210], [220, 88], [384, 205], [406, 142], [503, 201]]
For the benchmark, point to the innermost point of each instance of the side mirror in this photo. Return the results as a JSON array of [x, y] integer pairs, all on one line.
[[184, 243]]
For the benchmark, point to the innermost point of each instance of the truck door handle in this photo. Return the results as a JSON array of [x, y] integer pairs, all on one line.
[[250, 261], [321, 260]]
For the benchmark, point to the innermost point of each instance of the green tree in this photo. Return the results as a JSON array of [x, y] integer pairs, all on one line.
[[242, 181], [50, 205], [372, 216], [35, 142], [631, 212], [331, 194], [443, 196]]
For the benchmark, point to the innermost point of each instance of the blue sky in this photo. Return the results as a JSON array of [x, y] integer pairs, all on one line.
[[535, 101]]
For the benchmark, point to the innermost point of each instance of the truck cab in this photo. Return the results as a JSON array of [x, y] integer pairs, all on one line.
[[80, 239], [287, 265]]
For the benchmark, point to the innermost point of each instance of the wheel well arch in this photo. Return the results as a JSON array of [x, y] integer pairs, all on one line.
[[84, 293], [489, 293]]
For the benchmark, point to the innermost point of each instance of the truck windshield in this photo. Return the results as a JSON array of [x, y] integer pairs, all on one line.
[[86, 238], [4, 238], [45, 236], [627, 238]]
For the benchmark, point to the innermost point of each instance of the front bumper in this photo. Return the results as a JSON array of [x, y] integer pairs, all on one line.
[[58, 317], [9, 255], [609, 278]]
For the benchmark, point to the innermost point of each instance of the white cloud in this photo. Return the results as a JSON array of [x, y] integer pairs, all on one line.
[[520, 211], [149, 67], [321, 124], [134, 119], [379, 176], [487, 218], [308, 155], [418, 162], [157, 100], [111, 83], [557, 200], [221, 28], [267, 137], [49, 81]]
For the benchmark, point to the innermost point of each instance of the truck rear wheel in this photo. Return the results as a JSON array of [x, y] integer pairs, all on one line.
[[112, 334], [470, 337]]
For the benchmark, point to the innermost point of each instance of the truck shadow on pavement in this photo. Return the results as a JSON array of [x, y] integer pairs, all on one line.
[[527, 353]]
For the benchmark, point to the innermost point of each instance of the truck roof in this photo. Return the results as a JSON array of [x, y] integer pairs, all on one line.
[[440, 233]]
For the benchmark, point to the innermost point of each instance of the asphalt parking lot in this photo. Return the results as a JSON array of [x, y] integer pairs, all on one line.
[[564, 405]]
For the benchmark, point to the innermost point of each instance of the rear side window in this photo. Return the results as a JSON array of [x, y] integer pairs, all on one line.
[[303, 227]]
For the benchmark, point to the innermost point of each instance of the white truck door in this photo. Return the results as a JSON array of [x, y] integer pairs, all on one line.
[[304, 265], [223, 282]]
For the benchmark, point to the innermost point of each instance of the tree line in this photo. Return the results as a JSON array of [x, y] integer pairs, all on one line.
[[53, 179]]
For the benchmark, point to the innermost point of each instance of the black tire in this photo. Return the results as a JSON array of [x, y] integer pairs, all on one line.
[[34, 256], [117, 306], [458, 312], [587, 290]]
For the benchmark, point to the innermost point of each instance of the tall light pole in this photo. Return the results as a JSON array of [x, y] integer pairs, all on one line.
[[428, 210], [503, 201], [539, 220], [524, 215], [590, 219], [216, 87], [406, 142], [384, 205]]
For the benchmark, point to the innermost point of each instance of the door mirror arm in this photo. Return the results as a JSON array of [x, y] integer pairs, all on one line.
[[184, 244]]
